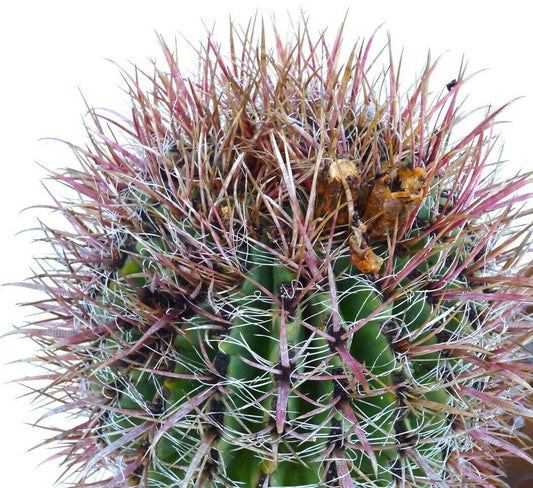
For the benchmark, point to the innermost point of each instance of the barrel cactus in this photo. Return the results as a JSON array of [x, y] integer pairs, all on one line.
[[286, 271]]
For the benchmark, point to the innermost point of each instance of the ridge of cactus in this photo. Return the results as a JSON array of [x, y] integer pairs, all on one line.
[[286, 272]]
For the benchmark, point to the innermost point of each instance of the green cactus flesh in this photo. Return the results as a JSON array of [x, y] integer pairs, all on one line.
[[285, 282], [277, 339]]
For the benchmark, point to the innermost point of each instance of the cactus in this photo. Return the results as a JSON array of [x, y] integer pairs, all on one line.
[[286, 272]]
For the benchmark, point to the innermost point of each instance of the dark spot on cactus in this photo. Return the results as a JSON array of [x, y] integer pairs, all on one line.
[[157, 406], [433, 295], [331, 474], [399, 379], [172, 151], [391, 329], [272, 426], [448, 262], [220, 332], [393, 332], [137, 357], [445, 352], [216, 414], [445, 207], [166, 333], [274, 232], [447, 374], [226, 311], [402, 250], [403, 437], [287, 294], [337, 337], [451, 84], [195, 204], [468, 248], [325, 169], [221, 363], [340, 385], [445, 210], [415, 274], [120, 260], [473, 316], [397, 469], [335, 435], [145, 226], [112, 390], [147, 297], [213, 455], [479, 385], [201, 295], [139, 471], [421, 224], [444, 336], [158, 299], [212, 462], [362, 199], [211, 465], [451, 418], [283, 373], [445, 452], [168, 362]]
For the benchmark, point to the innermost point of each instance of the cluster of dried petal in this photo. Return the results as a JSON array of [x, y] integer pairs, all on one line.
[[393, 196], [396, 193]]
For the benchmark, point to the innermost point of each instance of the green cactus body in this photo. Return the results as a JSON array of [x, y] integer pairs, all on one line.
[[289, 283]]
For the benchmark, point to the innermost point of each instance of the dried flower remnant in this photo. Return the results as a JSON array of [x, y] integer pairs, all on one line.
[[362, 256], [395, 194]]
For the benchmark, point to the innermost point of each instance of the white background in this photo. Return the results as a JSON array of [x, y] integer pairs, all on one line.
[[50, 50]]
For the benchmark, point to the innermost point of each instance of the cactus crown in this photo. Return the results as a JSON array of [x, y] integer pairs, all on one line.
[[284, 272]]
